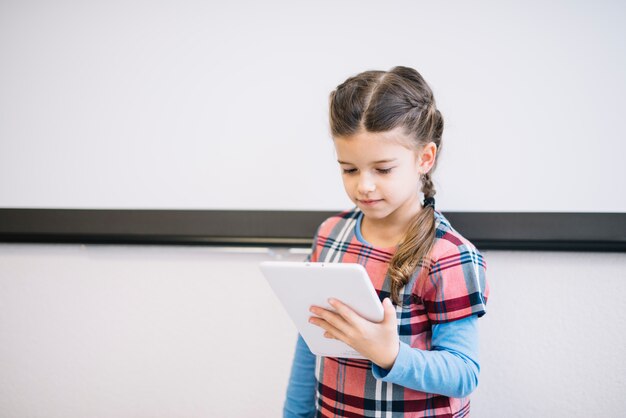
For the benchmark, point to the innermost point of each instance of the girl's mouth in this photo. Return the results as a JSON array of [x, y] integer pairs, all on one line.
[[370, 202]]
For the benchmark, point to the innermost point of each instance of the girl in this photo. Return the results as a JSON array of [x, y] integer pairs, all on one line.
[[423, 357]]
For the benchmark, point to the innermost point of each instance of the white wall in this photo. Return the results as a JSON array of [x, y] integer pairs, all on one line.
[[167, 104], [134, 331]]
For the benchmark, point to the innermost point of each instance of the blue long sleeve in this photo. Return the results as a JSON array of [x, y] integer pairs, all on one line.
[[450, 368], [300, 401]]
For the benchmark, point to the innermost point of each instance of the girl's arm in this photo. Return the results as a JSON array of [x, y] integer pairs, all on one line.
[[451, 368], [300, 401]]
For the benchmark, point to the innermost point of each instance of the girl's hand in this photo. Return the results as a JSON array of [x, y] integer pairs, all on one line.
[[376, 341]]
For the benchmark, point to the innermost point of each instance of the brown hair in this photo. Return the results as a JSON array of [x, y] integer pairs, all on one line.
[[379, 101]]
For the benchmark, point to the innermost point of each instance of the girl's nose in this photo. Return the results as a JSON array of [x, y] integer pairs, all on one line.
[[366, 185]]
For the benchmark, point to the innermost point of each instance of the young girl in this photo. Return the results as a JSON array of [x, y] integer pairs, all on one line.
[[423, 357]]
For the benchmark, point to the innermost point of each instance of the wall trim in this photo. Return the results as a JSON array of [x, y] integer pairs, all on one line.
[[554, 231]]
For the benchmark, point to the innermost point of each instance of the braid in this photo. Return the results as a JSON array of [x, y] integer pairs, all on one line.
[[428, 188]]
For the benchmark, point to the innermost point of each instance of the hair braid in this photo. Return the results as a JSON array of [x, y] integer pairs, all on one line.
[[428, 188]]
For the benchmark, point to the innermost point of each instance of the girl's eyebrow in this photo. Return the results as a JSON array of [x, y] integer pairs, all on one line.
[[375, 162]]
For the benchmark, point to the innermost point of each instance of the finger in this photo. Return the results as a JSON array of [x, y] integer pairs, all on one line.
[[389, 312], [326, 326], [333, 318], [346, 312]]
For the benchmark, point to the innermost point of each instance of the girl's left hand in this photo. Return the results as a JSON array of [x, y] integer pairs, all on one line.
[[376, 341]]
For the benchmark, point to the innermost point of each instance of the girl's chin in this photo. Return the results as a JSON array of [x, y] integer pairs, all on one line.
[[374, 211]]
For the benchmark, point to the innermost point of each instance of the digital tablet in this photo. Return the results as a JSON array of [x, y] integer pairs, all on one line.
[[299, 285]]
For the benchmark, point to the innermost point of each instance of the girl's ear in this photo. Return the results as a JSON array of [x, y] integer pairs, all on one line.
[[426, 157]]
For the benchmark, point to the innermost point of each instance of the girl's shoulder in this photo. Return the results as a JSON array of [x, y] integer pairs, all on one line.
[[454, 285], [339, 221], [448, 240]]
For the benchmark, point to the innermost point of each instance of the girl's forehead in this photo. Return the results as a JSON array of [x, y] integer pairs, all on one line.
[[368, 147]]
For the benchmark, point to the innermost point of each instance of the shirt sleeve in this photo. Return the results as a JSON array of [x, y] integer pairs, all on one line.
[[300, 401], [456, 286], [450, 368]]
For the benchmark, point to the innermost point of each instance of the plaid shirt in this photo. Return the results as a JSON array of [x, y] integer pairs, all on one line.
[[448, 285]]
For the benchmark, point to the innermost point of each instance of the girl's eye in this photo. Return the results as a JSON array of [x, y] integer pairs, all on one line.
[[380, 170]]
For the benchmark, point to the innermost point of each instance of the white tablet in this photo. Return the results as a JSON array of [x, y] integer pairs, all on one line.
[[299, 285]]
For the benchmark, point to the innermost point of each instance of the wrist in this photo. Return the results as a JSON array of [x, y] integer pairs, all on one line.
[[389, 359]]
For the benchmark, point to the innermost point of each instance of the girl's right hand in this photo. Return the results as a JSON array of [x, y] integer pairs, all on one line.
[[376, 341]]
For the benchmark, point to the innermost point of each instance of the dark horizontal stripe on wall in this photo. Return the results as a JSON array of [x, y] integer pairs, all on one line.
[[487, 230]]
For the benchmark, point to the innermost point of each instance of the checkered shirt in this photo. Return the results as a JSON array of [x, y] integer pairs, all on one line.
[[449, 284]]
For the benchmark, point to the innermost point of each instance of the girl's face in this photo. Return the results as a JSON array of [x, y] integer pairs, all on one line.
[[381, 172]]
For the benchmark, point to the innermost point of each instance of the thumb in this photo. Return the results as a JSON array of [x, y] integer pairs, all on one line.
[[390, 310]]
